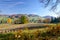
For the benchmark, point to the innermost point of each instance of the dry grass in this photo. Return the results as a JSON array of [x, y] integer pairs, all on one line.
[[36, 34], [7, 26]]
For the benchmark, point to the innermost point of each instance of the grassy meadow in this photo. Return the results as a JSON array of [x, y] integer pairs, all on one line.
[[50, 32]]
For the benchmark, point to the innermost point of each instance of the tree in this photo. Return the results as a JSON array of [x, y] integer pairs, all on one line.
[[47, 20], [24, 19], [3, 21], [9, 20], [52, 20], [56, 20], [54, 5]]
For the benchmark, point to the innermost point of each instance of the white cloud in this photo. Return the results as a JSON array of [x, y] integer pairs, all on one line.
[[17, 3], [10, 4]]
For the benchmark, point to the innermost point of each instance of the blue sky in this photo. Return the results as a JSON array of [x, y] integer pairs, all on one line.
[[24, 7]]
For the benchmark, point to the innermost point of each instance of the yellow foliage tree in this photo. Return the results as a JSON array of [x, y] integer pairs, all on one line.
[[9, 20]]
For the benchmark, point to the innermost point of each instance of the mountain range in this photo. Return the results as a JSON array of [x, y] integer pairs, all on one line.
[[29, 15]]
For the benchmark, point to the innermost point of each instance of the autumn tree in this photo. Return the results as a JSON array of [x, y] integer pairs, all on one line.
[[9, 20], [47, 20]]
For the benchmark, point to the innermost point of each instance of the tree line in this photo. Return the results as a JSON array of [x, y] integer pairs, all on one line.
[[56, 20], [23, 19]]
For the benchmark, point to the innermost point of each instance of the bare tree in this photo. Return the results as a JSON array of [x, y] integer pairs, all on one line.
[[53, 4]]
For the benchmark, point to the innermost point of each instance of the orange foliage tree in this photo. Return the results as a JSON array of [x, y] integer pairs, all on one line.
[[47, 20]]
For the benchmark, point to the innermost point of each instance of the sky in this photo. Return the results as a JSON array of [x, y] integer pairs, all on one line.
[[24, 7]]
